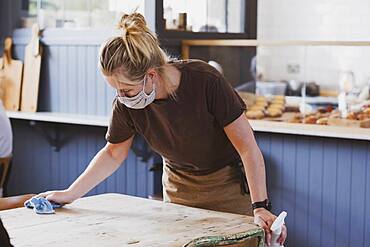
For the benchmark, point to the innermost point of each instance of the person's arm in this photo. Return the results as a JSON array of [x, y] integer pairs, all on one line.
[[105, 162], [241, 136]]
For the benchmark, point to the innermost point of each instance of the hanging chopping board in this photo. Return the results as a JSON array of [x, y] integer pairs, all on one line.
[[10, 78], [31, 76]]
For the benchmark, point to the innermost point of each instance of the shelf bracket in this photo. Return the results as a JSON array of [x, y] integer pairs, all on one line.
[[53, 138]]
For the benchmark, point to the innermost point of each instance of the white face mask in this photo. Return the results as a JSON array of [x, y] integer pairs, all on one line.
[[139, 101]]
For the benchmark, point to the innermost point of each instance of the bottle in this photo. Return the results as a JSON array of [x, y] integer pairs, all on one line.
[[276, 229], [182, 24], [346, 85]]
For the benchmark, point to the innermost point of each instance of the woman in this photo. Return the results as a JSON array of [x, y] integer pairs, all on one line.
[[190, 115]]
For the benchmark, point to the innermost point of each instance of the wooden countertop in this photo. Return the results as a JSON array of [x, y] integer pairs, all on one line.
[[121, 220], [257, 125], [310, 129]]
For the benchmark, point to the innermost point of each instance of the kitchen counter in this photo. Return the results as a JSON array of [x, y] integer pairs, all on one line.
[[310, 130], [316, 173], [257, 125]]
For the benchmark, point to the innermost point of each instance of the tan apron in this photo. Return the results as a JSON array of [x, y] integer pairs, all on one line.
[[220, 191], [223, 190]]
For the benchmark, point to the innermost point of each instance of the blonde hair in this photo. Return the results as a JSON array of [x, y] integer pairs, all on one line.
[[133, 53]]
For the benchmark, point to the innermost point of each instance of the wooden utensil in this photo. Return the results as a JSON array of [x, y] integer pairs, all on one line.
[[11, 78], [31, 76]]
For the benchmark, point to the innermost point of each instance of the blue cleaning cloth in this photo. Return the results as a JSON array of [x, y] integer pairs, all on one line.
[[41, 205]]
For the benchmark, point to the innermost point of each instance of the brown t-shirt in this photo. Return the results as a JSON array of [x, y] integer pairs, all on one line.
[[188, 130]]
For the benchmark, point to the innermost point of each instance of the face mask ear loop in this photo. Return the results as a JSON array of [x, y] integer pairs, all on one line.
[[145, 81]]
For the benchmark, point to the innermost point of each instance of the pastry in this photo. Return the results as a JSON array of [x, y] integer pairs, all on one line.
[[276, 106], [264, 104], [279, 97], [274, 112], [362, 116], [351, 116], [254, 114], [367, 111], [310, 120], [295, 119], [257, 108], [322, 121]]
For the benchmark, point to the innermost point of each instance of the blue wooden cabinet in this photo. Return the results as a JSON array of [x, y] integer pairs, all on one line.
[[324, 185], [38, 167]]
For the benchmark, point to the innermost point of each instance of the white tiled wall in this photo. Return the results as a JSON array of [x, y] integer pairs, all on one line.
[[314, 20]]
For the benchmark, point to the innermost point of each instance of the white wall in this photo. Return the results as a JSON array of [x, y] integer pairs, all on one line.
[[314, 20]]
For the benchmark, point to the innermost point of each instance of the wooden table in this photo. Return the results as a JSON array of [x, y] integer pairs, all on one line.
[[120, 220]]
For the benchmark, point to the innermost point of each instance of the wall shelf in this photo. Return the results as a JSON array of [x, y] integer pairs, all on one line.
[[185, 44]]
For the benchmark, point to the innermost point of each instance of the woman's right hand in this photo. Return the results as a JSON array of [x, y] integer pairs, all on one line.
[[58, 196]]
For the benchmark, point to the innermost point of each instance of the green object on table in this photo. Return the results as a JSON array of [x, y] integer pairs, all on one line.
[[227, 240]]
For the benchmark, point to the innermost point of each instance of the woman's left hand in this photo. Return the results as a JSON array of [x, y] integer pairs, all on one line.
[[264, 219]]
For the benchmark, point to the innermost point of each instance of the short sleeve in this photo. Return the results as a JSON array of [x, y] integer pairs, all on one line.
[[120, 126], [223, 101]]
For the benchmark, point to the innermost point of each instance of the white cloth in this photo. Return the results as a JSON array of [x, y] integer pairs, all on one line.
[[6, 135]]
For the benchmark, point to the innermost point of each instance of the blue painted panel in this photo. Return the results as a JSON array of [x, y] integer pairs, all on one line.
[[367, 199], [288, 167], [343, 194], [273, 172], [301, 189], [53, 79], [315, 182], [323, 184], [9, 19], [329, 189], [358, 193], [71, 81], [37, 167]]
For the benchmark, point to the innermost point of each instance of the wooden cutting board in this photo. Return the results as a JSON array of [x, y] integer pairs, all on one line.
[[10, 78], [31, 76]]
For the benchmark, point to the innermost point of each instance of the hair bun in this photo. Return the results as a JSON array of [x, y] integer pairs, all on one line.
[[132, 23]]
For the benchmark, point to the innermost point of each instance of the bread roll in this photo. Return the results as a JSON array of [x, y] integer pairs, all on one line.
[[264, 104], [310, 120], [274, 112], [352, 116], [279, 97], [295, 119], [254, 114], [322, 121], [257, 108], [367, 111], [276, 106]]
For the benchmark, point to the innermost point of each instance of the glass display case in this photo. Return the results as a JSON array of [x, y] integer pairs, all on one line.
[[312, 82]]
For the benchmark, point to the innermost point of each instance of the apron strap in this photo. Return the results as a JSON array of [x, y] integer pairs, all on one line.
[[243, 179]]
